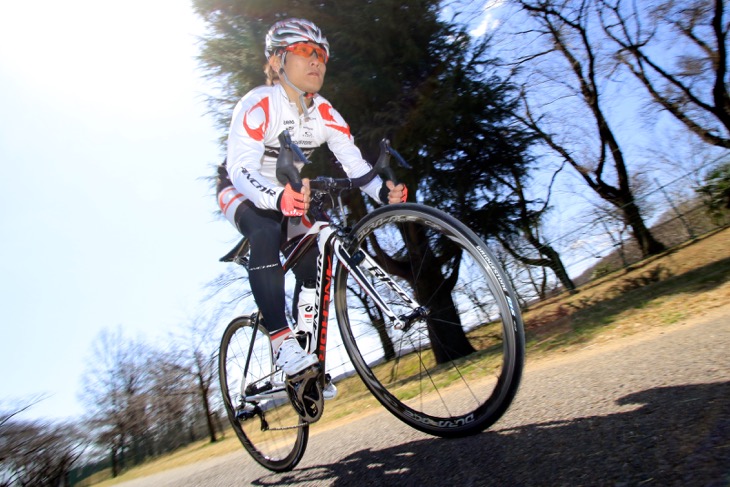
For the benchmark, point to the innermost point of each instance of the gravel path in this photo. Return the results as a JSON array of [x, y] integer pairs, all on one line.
[[650, 409]]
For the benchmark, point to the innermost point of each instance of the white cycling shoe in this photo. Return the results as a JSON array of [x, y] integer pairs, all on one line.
[[329, 391], [292, 359]]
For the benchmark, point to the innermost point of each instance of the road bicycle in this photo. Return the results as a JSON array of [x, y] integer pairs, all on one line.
[[426, 314]]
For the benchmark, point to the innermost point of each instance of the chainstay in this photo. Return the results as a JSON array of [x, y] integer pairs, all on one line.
[[284, 428]]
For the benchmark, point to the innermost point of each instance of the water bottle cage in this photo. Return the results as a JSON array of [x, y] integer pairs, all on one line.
[[305, 339]]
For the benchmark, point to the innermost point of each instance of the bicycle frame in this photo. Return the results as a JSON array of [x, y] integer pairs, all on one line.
[[332, 244], [428, 349]]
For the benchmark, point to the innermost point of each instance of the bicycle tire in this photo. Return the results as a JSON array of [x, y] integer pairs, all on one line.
[[276, 449], [424, 375]]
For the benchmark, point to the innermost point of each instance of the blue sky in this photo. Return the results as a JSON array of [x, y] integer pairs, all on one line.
[[103, 218]]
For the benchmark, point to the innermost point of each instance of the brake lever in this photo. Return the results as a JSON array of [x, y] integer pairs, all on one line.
[[286, 171], [299, 153], [401, 161], [382, 166]]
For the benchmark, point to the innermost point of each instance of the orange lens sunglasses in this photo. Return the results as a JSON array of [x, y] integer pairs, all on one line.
[[306, 50]]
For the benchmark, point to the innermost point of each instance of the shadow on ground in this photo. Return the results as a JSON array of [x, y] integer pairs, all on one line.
[[676, 436]]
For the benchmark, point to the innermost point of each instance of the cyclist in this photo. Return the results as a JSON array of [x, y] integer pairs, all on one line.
[[250, 195]]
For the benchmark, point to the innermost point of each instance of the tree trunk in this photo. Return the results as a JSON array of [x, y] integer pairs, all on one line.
[[385, 340], [206, 407], [448, 339], [647, 243], [115, 464], [552, 260], [556, 265]]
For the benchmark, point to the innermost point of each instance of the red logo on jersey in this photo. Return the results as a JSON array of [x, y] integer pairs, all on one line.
[[337, 122], [256, 120]]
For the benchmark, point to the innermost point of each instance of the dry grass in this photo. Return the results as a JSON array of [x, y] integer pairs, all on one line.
[[683, 283], [195, 452]]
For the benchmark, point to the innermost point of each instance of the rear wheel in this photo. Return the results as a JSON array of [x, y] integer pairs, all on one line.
[[455, 367], [255, 399]]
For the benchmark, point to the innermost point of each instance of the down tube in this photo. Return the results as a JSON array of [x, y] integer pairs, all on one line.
[[347, 261]]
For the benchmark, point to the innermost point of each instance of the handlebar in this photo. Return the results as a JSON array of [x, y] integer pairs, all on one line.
[[286, 172]]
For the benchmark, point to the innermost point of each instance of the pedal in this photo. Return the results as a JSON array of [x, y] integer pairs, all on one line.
[[305, 393], [330, 389]]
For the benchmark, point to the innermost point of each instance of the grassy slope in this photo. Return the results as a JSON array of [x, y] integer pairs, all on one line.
[[681, 284], [661, 290]]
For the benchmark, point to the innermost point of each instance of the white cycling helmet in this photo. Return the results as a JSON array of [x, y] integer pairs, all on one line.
[[287, 32]]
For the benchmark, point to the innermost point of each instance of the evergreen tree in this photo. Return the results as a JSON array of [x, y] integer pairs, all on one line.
[[397, 70]]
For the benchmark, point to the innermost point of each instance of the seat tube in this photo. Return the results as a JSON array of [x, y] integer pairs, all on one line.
[[323, 291]]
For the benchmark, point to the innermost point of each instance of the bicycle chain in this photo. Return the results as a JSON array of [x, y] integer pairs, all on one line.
[[283, 428]]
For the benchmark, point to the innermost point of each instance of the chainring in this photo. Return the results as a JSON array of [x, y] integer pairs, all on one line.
[[305, 394]]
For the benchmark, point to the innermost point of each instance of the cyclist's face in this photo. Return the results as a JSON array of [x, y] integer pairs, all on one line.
[[305, 72]]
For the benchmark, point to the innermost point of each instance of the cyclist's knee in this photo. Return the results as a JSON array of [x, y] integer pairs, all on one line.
[[229, 201], [306, 268]]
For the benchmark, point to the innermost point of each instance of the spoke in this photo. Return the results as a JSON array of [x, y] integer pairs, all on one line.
[[432, 381], [462, 328]]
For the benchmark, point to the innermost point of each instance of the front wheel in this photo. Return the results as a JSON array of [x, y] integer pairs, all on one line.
[[455, 366], [255, 398]]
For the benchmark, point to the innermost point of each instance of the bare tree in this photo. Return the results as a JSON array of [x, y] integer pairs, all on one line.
[[229, 289], [36, 453], [198, 346], [570, 64], [530, 214], [114, 388], [677, 50], [169, 401]]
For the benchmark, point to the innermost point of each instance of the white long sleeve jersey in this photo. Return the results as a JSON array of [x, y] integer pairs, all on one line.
[[253, 143]]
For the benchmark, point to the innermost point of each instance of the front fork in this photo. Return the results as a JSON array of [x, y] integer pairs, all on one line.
[[364, 269]]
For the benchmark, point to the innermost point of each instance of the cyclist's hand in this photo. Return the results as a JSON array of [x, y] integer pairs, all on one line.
[[395, 194], [292, 203]]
